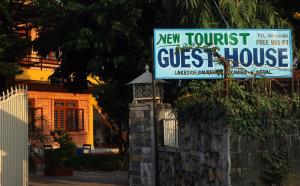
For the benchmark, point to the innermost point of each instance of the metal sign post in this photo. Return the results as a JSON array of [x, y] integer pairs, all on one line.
[[155, 148]]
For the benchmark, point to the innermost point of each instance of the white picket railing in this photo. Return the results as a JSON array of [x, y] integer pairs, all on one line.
[[14, 137]]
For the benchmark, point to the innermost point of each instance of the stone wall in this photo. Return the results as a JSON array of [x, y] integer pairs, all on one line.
[[247, 163], [140, 167], [202, 158], [170, 166]]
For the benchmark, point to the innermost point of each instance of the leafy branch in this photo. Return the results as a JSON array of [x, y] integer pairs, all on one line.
[[248, 110]]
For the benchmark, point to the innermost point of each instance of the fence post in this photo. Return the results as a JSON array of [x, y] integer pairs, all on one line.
[[14, 137]]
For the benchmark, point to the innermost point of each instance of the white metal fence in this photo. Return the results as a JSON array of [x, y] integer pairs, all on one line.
[[170, 131], [14, 137]]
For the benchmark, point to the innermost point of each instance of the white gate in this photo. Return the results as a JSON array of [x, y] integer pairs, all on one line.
[[170, 126], [14, 137]]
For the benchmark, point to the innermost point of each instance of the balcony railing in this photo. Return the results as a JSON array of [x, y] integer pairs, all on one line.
[[39, 62]]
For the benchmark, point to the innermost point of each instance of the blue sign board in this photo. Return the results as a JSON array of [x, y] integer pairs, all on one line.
[[252, 53]]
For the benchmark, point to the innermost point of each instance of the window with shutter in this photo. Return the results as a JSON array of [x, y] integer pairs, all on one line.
[[35, 116], [67, 116]]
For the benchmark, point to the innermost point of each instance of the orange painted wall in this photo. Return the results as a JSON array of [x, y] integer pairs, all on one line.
[[46, 101]]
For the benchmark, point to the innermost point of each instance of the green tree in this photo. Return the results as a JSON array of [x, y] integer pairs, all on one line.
[[92, 37], [252, 14], [97, 38], [206, 14], [13, 48], [112, 39]]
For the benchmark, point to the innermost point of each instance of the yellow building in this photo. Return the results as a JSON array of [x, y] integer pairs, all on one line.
[[55, 108]]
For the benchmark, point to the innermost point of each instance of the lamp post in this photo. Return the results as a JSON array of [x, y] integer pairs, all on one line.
[[142, 88], [148, 91]]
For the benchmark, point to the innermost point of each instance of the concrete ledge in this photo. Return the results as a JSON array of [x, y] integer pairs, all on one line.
[[168, 149]]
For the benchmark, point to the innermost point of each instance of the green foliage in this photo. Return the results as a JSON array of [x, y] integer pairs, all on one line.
[[31, 164], [188, 13], [61, 157], [98, 38], [276, 167], [204, 14], [98, 162], [109, 38], [250, 110], [112, 100], [252, 14], [12, 47], [93, 38]]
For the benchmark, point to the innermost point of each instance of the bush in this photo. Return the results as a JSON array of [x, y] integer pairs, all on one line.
[[32, 165], [276, 167], [63, 156], [99, 162]]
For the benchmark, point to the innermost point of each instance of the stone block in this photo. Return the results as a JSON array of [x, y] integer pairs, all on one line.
[[211, 175], [139, 114], [136, 150], [295, 165], [237, 179], [146, 170], [147, 159], [147, 136], [137, 136], [132, 116], [186, 132], [139, 107], [146, 121], [235, 160], [137, 128], [146, 156], [256, 162], [235, 143], [212, 162], [147, 128], [136, 158], [293, 129], [215, 143], [146, 150], [295, 150], [292, 179], [244, 163], [250, 177], [282, 141], [219, 175], [139, 143], [249, 145], [146, 181], [147, 143], [134, 180], [264, 145], [164, 156], [134, 173], [173, 171], [137, 121], [147, 114], [134, 166], [201, 157]]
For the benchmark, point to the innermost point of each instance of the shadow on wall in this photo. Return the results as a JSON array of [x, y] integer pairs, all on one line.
[[13, 150]]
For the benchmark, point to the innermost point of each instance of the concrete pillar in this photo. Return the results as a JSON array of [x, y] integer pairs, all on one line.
[[140, 157]]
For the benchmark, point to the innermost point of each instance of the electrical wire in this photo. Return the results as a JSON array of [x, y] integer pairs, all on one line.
[[227, 25]]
